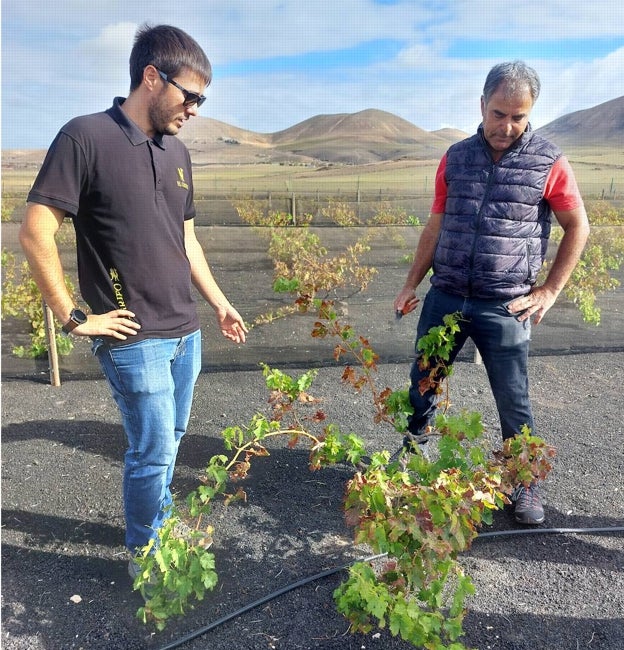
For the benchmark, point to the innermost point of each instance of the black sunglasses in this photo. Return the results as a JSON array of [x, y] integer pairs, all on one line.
[[190, 99]]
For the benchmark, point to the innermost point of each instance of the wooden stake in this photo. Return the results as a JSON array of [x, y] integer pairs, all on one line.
[[48, 320]]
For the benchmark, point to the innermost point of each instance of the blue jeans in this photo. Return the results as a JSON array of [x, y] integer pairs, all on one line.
[[503, 343], [152, 382]]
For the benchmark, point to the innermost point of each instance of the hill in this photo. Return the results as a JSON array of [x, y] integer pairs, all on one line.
[[600, 126], [365, 137], [348, 138], [359, 138]]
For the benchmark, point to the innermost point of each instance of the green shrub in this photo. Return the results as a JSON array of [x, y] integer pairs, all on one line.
[[22, 299], [603, 256]]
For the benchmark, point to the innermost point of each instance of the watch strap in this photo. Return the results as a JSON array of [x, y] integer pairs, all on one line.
[[76, 317], [69, 326]]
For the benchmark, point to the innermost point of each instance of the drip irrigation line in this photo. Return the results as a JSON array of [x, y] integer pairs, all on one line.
[[328, 572], [545, 531], [266, 599]]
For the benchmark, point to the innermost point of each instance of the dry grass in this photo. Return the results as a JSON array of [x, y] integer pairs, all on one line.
[[596, 169]]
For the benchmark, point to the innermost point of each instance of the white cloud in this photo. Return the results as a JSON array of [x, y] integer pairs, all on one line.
[[106, 55], [70, 57], [418, 57], [577, 86], [249, 30], [536, 20]]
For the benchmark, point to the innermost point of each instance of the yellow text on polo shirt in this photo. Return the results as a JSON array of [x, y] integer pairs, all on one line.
[[181, 181]]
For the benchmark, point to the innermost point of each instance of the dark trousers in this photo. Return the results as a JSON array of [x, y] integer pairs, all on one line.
[[503, 343]]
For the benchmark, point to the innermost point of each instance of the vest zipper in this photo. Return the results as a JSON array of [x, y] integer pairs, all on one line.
[[484, 200]]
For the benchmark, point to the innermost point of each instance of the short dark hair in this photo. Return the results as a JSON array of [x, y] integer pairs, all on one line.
[[169, 49], [516, 75]]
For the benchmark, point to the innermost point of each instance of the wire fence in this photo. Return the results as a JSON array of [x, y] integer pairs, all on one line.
[[240, 261], [368, 204], [216, 199]]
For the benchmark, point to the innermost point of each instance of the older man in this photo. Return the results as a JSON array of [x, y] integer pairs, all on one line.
[[485, 242]]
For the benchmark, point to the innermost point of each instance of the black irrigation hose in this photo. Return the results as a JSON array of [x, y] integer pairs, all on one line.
[[344, 567], [545, 531], [266, 599]]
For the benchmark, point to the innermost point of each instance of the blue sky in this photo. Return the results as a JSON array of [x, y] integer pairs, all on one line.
[[279, 62]]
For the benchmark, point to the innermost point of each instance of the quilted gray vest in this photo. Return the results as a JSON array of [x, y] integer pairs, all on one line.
[[496, 223]]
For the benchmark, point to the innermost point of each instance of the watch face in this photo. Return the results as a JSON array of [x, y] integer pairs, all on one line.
[[78, 316]]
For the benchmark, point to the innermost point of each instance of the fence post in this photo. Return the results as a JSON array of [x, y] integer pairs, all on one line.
[[48, 321], [293, 208]]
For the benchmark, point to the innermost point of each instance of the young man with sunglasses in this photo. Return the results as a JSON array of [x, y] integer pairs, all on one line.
[[128, 189]]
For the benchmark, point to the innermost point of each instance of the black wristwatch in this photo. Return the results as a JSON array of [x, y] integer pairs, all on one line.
[[76, 317]]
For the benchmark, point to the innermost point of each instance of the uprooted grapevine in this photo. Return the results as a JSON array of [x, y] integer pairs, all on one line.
[[420, 513]]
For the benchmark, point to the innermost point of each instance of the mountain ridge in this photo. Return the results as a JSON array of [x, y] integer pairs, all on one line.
[[367, 136], [370, 135], [602, 124]]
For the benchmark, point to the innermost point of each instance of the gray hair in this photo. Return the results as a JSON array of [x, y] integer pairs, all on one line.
[[515, 75]]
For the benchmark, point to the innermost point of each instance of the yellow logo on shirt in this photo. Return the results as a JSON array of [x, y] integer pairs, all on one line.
[[181, 181], [117, 287]]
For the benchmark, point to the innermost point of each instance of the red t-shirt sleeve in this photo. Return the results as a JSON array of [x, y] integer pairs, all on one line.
[[561, 191], [439, 198]]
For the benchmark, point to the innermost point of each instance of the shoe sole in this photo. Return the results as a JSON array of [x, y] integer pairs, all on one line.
[[528, 521]]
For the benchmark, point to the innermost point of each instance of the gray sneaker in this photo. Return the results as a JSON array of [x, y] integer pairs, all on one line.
[[193, 537], [133, 569], [147, 590], [182, 530], [412, 443], [528, 509]]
